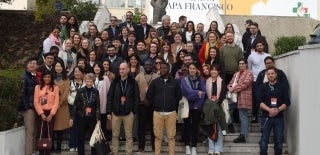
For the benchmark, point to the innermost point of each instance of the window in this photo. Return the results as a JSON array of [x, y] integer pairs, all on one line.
[[126, 3], [116, 3]]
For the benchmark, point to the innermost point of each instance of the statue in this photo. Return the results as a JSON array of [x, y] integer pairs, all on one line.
[[159, 9]]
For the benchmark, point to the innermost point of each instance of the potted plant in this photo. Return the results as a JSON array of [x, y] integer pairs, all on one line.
[[12, 134]]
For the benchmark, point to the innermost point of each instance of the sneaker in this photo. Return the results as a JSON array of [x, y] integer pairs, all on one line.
[[193, 151], [188, 151], [72, 149], [224, 132], [216, 153]]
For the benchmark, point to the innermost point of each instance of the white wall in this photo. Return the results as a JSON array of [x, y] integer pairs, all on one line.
[[18, 5], [12, 142], [302, 125]]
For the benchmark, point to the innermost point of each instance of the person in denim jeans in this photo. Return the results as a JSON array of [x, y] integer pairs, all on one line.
[[273, 97]]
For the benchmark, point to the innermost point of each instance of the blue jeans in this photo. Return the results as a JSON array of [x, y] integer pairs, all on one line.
[[218, 145], [278, 128], [244, 126]]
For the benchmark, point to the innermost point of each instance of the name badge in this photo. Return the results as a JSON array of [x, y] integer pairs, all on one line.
[[123, 100], [274, 101], [88, 111]]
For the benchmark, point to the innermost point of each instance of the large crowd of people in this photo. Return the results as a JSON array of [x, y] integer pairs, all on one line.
[[130, 77]]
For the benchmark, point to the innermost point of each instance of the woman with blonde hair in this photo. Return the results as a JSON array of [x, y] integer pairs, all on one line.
[[212, 40]]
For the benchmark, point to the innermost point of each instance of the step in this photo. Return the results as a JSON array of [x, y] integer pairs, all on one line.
[[229, 147]]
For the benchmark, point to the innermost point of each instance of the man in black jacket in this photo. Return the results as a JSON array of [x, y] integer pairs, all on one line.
[[113, 29], [164, 93], [122, 102]]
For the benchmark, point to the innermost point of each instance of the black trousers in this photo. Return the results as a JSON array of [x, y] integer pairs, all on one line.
[[191, 125], [145, 116], [85, 124]]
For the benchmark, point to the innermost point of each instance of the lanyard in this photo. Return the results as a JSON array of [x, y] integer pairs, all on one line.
[[124, 88], [89, 99]]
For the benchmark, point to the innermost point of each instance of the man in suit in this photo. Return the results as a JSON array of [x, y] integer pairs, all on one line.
[[133, 27], [144, 27], [254, 38], [113, 29]]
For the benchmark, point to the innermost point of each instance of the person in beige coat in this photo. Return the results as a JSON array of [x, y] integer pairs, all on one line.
[[63, 115]]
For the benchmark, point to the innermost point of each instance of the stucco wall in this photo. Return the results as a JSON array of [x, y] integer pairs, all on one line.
[[276, 26], [302, 127]]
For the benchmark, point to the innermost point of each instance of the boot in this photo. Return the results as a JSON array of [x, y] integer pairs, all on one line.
[[231, 128], [240, 139]]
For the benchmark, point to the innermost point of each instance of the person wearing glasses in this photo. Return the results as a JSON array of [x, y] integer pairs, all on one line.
[[113, 28]]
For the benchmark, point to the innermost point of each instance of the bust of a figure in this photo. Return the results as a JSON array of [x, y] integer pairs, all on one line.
[[159, 9]]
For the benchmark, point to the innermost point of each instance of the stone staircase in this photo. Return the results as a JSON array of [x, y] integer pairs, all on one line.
[[251, 147]]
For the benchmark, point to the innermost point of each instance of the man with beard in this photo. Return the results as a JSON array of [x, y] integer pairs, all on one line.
[[230, 54], [273, 97], [256, 65], [145, 109], [129, 23], [114, 59]]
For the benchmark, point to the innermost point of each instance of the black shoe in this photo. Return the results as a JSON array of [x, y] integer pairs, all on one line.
[[254, 119], [231, 128], [240, 139], [134, 139], [122, 139]]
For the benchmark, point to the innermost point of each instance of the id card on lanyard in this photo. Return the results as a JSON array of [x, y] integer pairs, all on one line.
[[88, 109], [123, 92]]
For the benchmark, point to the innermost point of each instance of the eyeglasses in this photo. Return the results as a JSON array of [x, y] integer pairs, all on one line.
[[158, 63], [113, 20]]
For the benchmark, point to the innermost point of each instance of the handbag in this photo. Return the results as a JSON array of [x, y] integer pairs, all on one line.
[[183, 109], [225, 106], [99, 141], [44, 143], [214, 133], [233, 97], [71, 97]]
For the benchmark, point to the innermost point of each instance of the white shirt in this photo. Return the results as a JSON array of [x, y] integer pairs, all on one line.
[[256, 63]]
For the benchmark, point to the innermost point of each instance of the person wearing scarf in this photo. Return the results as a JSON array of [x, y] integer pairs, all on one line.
[[193, 88], [212, 109], [211, 41], [52, 40]]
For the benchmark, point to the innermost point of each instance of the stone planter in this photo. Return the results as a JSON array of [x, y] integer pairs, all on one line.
[[12, 142]]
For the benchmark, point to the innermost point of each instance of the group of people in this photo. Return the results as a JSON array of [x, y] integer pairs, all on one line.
[[129, 77]]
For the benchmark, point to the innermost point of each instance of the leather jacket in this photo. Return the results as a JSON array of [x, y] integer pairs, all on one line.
[[81, 103]]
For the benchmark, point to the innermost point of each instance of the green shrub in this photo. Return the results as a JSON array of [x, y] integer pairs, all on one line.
[[84, 10], [10, 81], [136, 16], [288, 44]]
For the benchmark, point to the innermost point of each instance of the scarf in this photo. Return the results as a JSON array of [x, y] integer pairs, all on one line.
[[55, 41], [209, 87], [58, 77], [206, 53]]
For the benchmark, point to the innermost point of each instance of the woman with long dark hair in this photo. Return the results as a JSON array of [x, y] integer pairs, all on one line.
[[75, 84], [193, 88], [63, 116], [102, 84], [46, 103]]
